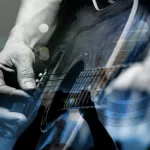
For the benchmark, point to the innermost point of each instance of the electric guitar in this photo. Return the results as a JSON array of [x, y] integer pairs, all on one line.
[[84, 59]]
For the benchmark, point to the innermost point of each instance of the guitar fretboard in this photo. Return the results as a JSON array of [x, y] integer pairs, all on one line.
[[90, 81]]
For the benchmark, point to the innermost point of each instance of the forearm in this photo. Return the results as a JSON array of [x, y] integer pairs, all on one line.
[[32, 15]]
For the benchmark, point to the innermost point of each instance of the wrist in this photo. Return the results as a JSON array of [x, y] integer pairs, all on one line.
[[17, 46], [17, 36]]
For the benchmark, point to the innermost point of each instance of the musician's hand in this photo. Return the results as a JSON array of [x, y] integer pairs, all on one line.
[[12, 123], [134, 79], [20, 58]]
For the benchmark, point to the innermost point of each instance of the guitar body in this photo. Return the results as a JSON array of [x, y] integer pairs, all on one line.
[[86, 40], [72, 130]]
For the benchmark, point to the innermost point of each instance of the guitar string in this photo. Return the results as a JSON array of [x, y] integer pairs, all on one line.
[[81, 94], [63, 73], [46, 114], [102, 73], [101, 85], [44, 118], [96, 76], [94, 69], [67, 100], [62, 79], [99, 78], [105, 73], [82, 82], [79, 86], [115, 66], [94, 81], [108, 74], [87, 87], [101, 82], [59, 84], [75, 87]]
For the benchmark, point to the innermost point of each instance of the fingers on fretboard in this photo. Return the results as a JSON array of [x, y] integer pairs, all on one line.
[[89, 83], [76, 101]]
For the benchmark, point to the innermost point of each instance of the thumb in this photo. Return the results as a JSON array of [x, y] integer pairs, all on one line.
[[25, 75]]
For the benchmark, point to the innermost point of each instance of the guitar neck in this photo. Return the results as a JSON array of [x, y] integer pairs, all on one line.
[[96, 79], [127, 37], [90, 82]]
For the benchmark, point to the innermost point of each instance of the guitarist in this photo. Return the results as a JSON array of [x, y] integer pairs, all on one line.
[[35, 24]]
